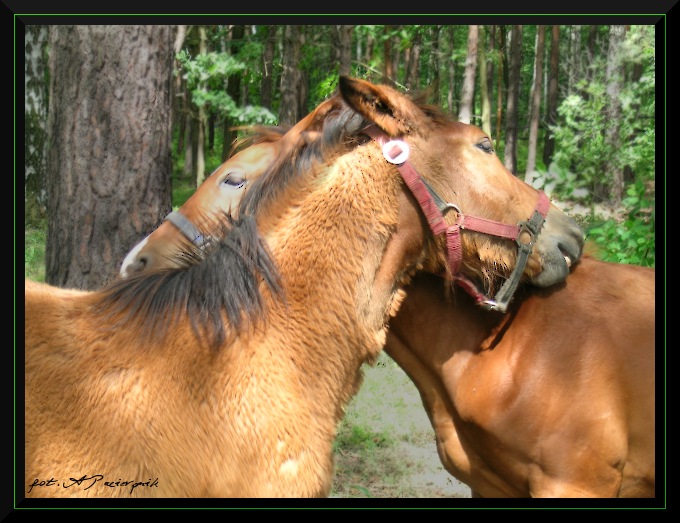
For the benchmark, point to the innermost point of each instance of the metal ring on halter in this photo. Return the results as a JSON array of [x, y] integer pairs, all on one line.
[[491, 305], [452, 206], [524, 228], [401, 157]]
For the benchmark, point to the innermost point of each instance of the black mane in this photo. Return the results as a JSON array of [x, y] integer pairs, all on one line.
[[224, 279]]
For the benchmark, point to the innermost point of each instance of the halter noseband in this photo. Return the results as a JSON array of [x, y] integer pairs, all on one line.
[[188, 229], [435, 208]]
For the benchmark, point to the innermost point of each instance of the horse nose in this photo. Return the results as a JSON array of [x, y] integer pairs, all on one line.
[[133, 267], [135, 261]]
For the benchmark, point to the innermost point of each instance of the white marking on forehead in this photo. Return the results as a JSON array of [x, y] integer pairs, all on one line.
[[280, 445], [130, 258], [289, 467]]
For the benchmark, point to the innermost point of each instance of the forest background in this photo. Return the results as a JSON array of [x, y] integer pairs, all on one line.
[[123, 122]]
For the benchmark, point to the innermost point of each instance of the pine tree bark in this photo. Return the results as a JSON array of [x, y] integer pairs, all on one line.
[[109, 164]]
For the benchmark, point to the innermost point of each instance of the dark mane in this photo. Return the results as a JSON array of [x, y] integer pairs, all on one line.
[[224, 282]]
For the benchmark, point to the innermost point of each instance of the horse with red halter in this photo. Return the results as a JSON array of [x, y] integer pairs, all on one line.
[[234, 371], [554, 398]]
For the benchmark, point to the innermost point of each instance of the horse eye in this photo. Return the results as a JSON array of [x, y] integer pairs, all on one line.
[[234, 181], [485, 145]]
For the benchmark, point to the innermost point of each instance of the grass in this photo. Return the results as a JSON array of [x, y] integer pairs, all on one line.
[[385, 445], [34, 257]]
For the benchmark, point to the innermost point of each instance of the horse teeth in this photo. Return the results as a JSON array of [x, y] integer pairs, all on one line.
[[568, 260]]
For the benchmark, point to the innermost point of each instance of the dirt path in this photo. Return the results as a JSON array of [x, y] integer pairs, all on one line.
[[386, 446]]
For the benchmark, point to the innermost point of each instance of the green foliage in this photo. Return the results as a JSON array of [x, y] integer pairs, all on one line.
[[633, 240], [206, 76], [561, 183], [584, 119], [34, 253]]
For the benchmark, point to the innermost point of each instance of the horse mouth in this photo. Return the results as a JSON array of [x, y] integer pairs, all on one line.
[[567, 259]]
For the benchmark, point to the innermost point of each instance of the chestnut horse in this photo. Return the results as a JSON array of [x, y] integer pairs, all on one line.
[[555, 398], [228, 376], [519, 409]]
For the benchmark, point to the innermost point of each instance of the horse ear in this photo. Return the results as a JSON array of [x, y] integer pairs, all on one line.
[[382, 105]]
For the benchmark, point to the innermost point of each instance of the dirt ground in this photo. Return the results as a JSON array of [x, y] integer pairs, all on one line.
[[388, 447]]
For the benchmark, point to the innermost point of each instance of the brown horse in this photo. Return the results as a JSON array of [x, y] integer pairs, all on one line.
[[555, 398], [234, 371], [519, 409]]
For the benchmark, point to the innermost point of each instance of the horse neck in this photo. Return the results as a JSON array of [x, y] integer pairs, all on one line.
[[456, 324], [337, 257]]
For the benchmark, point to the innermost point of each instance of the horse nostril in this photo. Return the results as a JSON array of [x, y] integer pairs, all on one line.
[[138, 266]]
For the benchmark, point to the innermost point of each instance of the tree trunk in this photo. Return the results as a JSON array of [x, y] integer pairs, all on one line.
[[435, 66], [202, 117], [574, 58], [35, 111], [551, 109], [590, 50], [181, 114], [468, 91], [234, 92], [614, 79], [211, 132], [189, 141], [510, 156], [413, 63], [450, 97], [502, 72], [344, 35], [268, 66], [388, 65], [535, 105], [290, 77], [109, 166], [490, 64], [483, 84]]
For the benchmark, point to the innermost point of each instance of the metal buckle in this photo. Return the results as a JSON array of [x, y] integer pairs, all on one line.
[[491, 305], [525, 227]]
